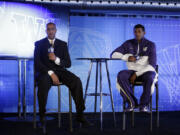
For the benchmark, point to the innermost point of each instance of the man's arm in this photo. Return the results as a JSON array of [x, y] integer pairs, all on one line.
[[152, 61], [39, 66], [65, 61], [121, 53]]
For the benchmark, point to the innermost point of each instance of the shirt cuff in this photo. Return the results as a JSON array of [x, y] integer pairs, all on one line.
[[138, 74], [50, 72], [57, 61], [126, 57], [117, 55]]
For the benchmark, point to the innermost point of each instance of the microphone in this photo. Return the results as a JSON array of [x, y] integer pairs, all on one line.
[[51, 50]]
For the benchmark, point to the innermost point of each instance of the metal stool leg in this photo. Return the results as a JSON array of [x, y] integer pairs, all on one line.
[[34, 106], [59, 107], [95, 103], [132, 120], [151, 113], [87, 84], [124, 117], [19, 88], [157, 105], [70, 112], [24, 91], [110, 90], [101, 102]]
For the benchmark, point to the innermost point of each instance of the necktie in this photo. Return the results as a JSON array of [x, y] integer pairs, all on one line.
[[51, 49], [51, 42]]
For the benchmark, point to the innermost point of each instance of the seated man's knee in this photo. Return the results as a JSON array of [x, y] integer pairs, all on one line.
[[122, 75], [149, 76], [76, 80], [44, 80]]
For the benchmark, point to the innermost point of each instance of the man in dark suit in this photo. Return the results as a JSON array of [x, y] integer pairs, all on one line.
[[51, 58]]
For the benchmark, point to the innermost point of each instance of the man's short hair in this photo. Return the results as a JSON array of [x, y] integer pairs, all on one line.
[[50, 23], [139, 26]]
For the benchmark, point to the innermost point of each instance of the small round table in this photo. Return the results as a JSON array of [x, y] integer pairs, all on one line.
[[20, 60], [99, 62]]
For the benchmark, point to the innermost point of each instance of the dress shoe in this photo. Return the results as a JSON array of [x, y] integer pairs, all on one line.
[[81, 119], [144, 109]]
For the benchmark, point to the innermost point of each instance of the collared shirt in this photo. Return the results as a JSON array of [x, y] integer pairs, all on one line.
[[57, 60], [51, 41]]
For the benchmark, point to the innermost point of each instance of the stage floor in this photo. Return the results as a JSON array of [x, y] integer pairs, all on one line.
[[169, 125]]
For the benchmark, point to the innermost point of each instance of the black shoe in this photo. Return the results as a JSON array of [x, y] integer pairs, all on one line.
[[129, 109], [136, 106], [144, 109], [42, 124], [82, 120]]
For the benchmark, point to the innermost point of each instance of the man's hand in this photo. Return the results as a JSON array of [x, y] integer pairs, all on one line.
[[131, 59], [55, 79], [133, 78], [52, 56]]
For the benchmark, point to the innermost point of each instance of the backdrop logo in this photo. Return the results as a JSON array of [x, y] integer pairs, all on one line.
[[169, 63], [21, 26]]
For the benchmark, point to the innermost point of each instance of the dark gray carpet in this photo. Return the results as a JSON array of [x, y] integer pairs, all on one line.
[[169, 125]]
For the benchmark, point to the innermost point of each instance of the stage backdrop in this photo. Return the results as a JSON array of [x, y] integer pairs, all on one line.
[[99, 36], [22, 24]]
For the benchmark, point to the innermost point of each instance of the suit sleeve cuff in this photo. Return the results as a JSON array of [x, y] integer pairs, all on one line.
[[57, 61], [50, 72]]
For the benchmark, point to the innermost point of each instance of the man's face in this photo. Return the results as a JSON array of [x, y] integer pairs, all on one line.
[[139, 33], [51, 31]]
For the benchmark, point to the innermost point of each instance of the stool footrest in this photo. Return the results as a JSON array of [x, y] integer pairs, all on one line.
[[97, 94], [137, 111], [51, 110], [138, 84]]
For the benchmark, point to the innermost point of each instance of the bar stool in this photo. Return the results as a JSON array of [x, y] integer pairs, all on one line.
[[59, 106], [150, 106]]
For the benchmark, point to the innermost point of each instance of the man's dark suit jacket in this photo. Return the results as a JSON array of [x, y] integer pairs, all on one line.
[[41, 60]]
